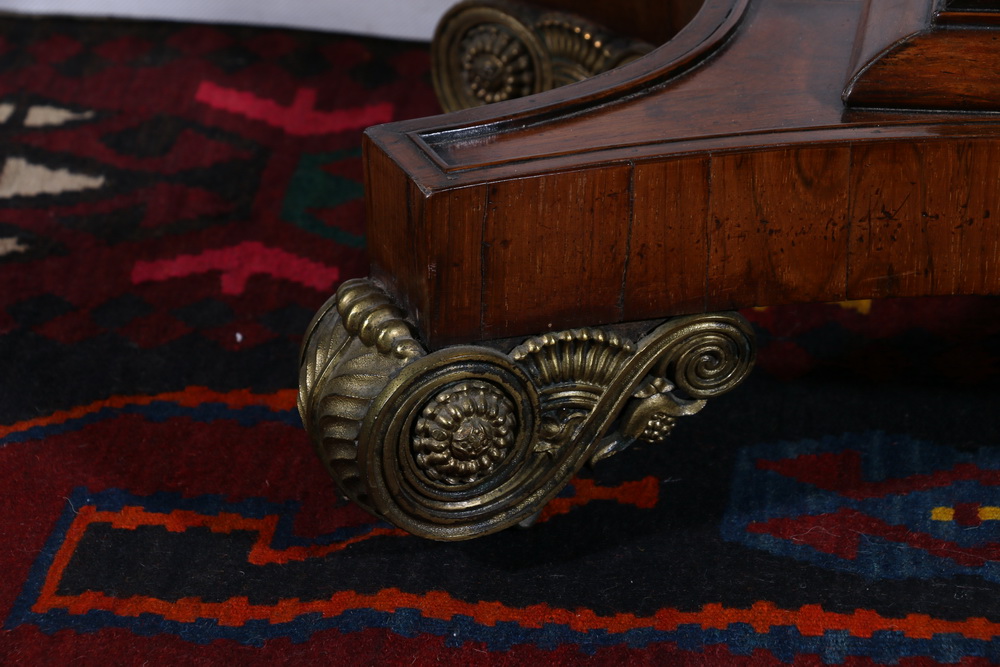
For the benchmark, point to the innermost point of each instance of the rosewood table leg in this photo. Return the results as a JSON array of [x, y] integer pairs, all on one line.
[[769, 152]]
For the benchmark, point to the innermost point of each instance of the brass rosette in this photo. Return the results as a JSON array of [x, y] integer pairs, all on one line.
[[466, 491], [487, 51]]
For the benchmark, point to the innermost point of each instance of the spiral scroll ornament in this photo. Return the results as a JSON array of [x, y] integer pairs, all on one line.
[[468, 440], [580, 49], [487, 51], [705, 356]]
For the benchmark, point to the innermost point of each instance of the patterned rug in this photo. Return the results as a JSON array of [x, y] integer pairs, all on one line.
[[175, 203]]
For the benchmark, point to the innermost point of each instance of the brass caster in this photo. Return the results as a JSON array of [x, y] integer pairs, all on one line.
[[488, 51], [468, 440]]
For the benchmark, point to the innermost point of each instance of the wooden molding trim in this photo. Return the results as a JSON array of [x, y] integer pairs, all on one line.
[[913, 55]]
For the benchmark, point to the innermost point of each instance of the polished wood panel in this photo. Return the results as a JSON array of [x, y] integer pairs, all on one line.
[[782, 94], [924, 219], [883, 24], [766, 249], [442, 237], [915, 54], [668, 254], [953, 68], [453, 258], [555, 247], [745, 162], [390, 198]]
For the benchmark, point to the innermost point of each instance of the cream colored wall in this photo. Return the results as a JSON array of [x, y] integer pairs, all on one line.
[[406, 19]]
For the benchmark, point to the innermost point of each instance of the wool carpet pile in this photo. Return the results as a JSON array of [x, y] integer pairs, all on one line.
[[175, 203]]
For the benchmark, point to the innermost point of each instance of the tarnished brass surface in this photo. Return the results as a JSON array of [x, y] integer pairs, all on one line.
[[468, 440], [492, 50]]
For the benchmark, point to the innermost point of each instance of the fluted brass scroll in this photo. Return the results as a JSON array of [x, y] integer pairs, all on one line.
[[468, 440], [487, 51]]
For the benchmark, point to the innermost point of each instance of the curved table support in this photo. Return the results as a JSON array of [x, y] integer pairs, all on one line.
[[469, 440], [740, 164]]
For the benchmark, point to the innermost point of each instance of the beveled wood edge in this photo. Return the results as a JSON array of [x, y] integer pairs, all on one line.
[[968, 18], [403, 142], [862, 125], [707, 31], [980, 16], [919, 26], [883, 26]]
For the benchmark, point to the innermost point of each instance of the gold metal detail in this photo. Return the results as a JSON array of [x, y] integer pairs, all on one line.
[[467, 440], [464, 433], [487, 51], [496, 65], [356, 342]]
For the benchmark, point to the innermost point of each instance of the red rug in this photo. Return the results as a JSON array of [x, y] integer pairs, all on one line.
[[175, 203]]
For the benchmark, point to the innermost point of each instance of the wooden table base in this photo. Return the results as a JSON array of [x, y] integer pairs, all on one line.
[[769, 152]]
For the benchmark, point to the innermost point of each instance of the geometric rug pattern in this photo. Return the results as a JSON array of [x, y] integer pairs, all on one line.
[[177, 200]]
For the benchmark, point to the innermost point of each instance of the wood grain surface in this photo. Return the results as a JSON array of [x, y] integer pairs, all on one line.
[[724, 170]]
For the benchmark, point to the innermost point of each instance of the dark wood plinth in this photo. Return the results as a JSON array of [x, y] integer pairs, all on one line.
[[772, 151]]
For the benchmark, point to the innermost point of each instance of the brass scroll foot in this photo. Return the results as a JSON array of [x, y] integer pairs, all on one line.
[[468, 440], [488, 51]]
